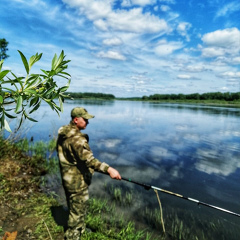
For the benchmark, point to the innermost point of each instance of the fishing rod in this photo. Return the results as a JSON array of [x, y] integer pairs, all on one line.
[[147, 187]]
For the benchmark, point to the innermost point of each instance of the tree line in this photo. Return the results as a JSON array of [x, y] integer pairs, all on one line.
[[227, 96], [91, 95]]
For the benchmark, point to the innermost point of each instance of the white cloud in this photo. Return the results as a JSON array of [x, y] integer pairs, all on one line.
[[143, 2], [165, 48], [135, 21], [183, 76], [223, 38], [165, 8], [193, 68], [183, 28], [221, 43], [112, 55], [168, 1], [101, 24], [228, 9], [104, 16], [129, 3], [126, 3], [236, 60], [230, 74], [112, 41], [213, 52]]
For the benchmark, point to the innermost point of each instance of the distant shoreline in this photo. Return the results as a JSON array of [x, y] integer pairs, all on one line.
[[223, 103]]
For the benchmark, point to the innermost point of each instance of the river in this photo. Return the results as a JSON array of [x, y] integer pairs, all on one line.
[[193, 150]]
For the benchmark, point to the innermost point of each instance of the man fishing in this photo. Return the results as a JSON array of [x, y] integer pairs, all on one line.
[[77, 165]]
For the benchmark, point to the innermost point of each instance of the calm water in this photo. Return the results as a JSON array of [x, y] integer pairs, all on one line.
[[188, 149]]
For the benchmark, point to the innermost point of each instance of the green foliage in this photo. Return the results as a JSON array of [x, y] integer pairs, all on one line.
[[227, 96], [3, 48], [92, 95], [23, 95]]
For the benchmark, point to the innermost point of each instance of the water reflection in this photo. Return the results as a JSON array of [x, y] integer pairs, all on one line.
[[189, 149]]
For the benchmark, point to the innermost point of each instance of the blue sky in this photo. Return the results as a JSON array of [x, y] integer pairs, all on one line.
[[129, 47]]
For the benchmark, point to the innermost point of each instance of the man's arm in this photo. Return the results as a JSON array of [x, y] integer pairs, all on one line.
[[114, 173]]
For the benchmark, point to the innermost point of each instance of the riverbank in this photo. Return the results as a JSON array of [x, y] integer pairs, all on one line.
[[35, 213], [198, 102], [217, 103], [24, 206]]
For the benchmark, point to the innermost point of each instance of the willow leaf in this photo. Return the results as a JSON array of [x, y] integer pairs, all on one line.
[[19, 103], [4, 73], [24, 60], [6, 126]]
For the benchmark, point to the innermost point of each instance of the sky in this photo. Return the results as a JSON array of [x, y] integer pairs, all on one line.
[[129, 48]]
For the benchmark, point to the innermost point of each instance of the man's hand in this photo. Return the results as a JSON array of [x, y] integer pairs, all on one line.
[[114, 173]]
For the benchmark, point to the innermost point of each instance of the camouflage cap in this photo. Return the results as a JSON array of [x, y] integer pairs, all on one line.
[[80, 112]]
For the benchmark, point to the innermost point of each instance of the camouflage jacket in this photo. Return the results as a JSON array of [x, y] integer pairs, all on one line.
[[77, 162]]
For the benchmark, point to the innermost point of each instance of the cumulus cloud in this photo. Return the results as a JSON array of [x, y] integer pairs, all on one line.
[[104, 17], [229, 74], [112, 55], [222, 38], [136, 21], [112, 41], [183, 28], [164, 48], [221, 42]]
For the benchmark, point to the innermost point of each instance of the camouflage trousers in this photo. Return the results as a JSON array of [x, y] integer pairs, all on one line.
[[77, 204]]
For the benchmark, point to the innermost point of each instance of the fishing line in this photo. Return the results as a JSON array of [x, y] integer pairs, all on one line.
[[147, 187]]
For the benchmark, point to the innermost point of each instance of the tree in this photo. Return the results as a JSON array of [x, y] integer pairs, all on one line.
[[3, 48], [21, 96]]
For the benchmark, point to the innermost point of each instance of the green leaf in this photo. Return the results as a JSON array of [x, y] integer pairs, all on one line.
[[34, 59], [29, 118], [59, 61], [65, 88], [49, 91], [19, 103], [51, 73], [34, 101], [1, 99], [10, 116], [35, 82], [2, 120], [60, 103], [20, 123], [30, 91], [19, 81], [1, 63], [35, 108], [4, 73], [24, 60], [6, 126], [54, 61], [46, 73], [65, 73]]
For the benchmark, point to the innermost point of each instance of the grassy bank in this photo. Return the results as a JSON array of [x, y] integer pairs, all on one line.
[[27, 209], [200, 102]]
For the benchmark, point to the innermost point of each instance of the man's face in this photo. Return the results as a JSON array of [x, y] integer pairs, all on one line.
[[80, 122]]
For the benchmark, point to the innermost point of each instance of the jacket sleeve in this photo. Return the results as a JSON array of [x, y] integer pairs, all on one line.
[[85, 154]]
